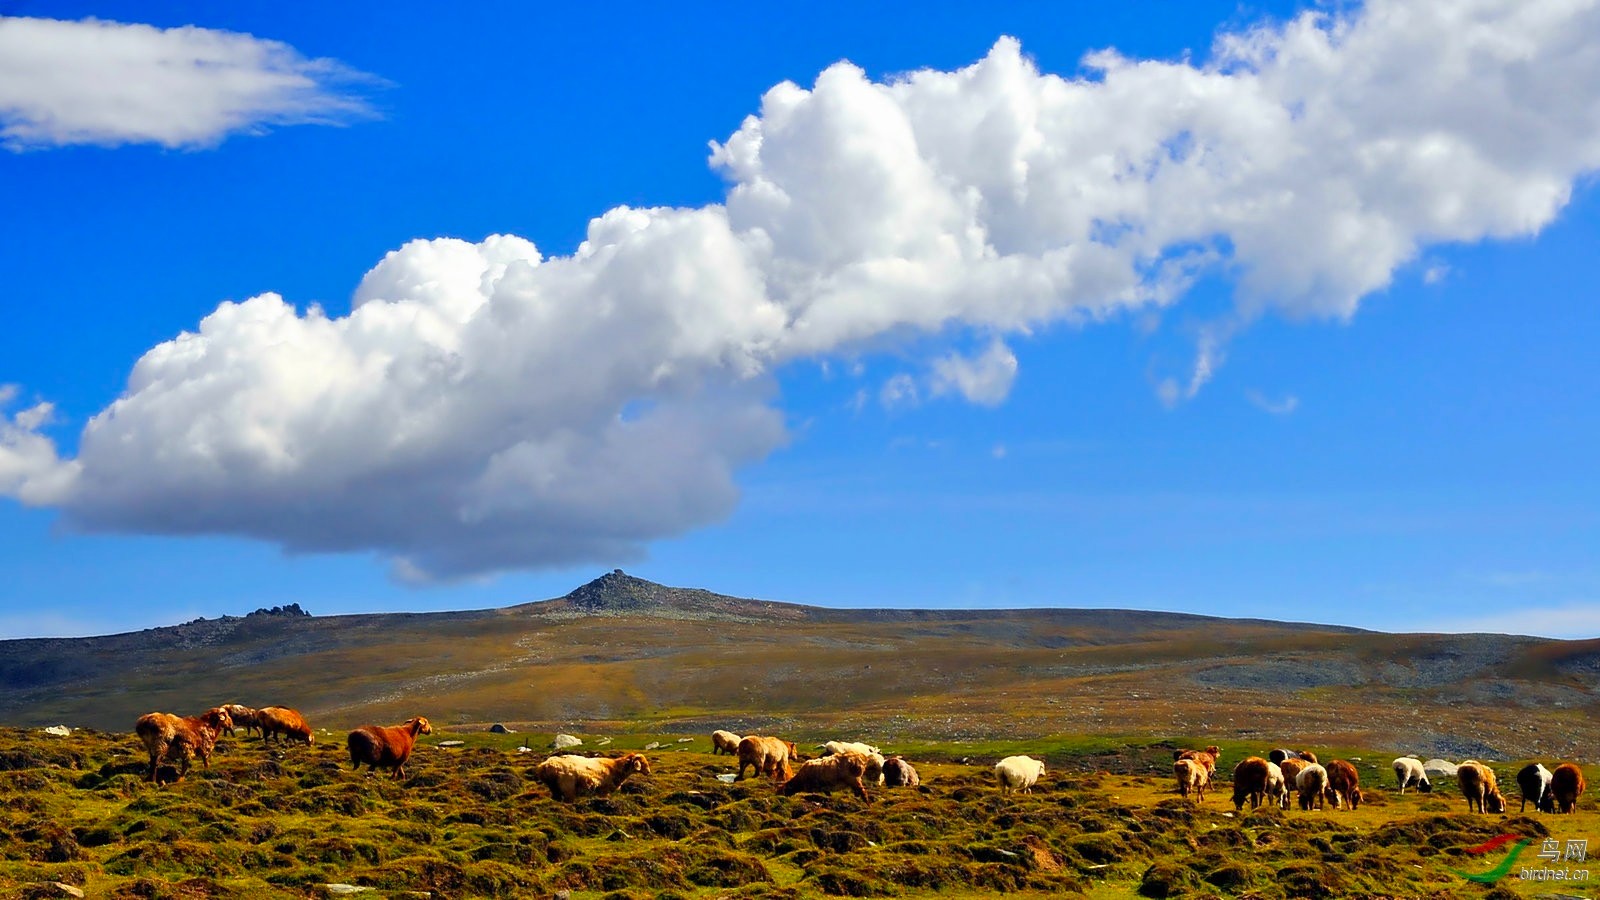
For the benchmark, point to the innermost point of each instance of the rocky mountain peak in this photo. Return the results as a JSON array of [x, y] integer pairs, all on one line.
[[617, 591]]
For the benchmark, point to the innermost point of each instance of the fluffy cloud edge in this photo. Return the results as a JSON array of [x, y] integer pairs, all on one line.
[[103, 83]]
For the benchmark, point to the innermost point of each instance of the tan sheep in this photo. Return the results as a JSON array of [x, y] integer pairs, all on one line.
[[725, 742], [167, 736], [769, 756], [569, 777], [1478, 786], [838, 770], [899, 773], [1192, 779]]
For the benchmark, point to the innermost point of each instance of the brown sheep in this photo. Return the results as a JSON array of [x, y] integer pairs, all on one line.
[[283, 723], [725, 742], [1207, 757], [1250, 782], [1291, 767], [167, 736], [1308, 756], [1192, 779], [388, 746], [1344, 781], [769, 756], [1478, 786], [569, 777], [899, 773], [1566, 786], [835, 771], [242, 716]]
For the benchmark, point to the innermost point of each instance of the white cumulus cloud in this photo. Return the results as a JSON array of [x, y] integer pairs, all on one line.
[[109, 83], [984, 379], [483, 407]]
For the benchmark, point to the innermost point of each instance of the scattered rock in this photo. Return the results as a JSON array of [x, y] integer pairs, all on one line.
[[1439, 767], [62, 889], [340, 889], [684, 740], [730, 778], [653, 745], [563, 895], [451, 743], [619, 835], [59, 731], [524, 749], [602, 742], [497, 728], [564, 741]]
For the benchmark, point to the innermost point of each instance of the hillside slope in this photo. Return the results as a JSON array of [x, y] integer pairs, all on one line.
[[624, 652]]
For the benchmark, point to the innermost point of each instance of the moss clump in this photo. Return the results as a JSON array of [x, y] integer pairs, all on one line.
[[849, 883], [1101, 848], [1166, 879], [718, 868], [1230, 876]]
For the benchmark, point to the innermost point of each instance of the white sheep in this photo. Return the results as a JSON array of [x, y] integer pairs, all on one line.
[[834, 747], [1018, 773], [1312, 783], [1277, 789], [1409, 772], [725, 742]]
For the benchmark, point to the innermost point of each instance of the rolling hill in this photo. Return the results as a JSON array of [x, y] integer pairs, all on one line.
[[622, 653]]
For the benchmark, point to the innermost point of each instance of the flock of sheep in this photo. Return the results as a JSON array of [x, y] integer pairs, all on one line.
[[178, 739], [849, 765], [1271, 780]]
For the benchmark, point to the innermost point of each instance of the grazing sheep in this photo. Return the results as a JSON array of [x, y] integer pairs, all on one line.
[[1291, 768], [1308, 756], [242, 716], [167, 736], [899, 773], [1478, 786], [1250, 779], [1409, 772], [1192, 779], [1278, 756], [388, 746], [826, 773], [1018, 773], [1277, 792], [1345, 783], [875, 763], [769, 756], [832, 747], [1566, 786], [1207, 757], [725, 742], [1534, 782], [283, 723], [1312, 786], [569, 777]]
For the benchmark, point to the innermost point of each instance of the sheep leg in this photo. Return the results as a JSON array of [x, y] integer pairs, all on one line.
[[862, 790]]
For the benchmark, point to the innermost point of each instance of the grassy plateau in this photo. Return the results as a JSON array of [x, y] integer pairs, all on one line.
[[470, 821]]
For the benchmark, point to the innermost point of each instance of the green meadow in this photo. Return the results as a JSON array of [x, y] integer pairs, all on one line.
[[470, 821]]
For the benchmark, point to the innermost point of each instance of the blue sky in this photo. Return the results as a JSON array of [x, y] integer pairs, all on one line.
[[1319, 348]]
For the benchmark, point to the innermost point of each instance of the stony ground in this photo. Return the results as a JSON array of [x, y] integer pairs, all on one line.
[[470, 822]]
